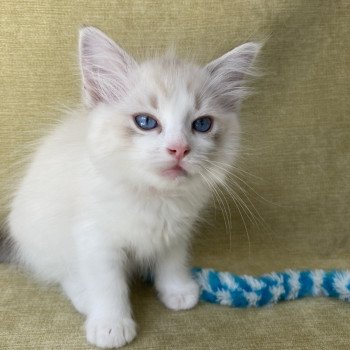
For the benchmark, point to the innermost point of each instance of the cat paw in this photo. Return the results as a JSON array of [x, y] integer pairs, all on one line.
[[110, 333], [181, 297]]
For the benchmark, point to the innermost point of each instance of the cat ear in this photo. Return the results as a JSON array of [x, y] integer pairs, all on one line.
[[105, 67], [227, 74]]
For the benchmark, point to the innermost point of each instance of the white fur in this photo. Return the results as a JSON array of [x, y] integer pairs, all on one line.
[[94, 203]]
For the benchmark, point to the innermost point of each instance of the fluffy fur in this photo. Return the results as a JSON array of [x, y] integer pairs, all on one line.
[[101, 196]]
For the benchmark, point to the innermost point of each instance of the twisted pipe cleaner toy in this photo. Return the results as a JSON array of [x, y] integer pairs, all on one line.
[[242, 291]]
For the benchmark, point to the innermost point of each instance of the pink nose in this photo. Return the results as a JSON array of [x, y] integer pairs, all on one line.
[[179, 151]]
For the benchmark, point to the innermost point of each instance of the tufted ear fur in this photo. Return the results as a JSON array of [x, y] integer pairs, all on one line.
[[227, 74], [105, 67]]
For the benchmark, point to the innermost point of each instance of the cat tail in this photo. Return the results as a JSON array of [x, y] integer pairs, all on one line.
[[6, 247]]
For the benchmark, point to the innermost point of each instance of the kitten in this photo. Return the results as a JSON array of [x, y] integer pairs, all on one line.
[[121, 182]]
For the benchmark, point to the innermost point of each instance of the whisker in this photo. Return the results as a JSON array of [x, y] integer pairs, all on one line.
[[223, 204], [232, 176], [236, 168], [257, 218], [240, 196], [219, 182]]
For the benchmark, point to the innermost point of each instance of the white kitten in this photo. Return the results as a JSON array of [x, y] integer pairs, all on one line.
[[121, 182]]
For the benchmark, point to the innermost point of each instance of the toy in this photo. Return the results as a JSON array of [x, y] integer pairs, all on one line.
[[242, 291]]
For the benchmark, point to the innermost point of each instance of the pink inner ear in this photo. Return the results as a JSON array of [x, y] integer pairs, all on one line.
[[228, 72], [104, 65]]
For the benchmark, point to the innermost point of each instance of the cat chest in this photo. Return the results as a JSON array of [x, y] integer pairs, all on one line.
[[147, 226]]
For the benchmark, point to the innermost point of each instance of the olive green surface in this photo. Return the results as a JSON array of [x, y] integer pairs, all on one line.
[[294, 166]]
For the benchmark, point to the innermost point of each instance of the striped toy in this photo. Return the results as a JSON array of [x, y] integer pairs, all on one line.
[[233, 290]]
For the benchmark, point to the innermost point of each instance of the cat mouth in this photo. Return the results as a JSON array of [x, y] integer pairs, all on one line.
[[174, 172]]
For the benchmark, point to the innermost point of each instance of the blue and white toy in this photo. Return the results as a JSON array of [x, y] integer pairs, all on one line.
[[225, 288]]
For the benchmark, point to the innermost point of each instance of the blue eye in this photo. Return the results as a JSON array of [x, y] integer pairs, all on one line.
[[145, 122], [202, 124]]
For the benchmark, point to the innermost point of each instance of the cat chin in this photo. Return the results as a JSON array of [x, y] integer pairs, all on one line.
[[171, 181]]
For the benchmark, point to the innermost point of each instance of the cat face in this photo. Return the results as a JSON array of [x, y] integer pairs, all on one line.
[[164, 123]]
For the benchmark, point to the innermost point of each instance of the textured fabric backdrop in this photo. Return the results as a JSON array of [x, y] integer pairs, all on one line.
[[295, 160]]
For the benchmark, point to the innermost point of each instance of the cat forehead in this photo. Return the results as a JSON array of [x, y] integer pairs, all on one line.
[[170, 76]]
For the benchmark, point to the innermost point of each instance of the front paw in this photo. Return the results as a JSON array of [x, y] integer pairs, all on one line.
[[180, 296], [110, 332]]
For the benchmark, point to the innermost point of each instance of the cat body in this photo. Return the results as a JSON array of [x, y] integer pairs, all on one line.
[[73, 194], [120, 183]]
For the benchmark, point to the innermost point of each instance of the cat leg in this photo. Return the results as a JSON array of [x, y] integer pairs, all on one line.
[[76, 292], [109, 321], [177, 290]]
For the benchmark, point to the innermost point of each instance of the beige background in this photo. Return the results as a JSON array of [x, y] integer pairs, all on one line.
[[296, 146]]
